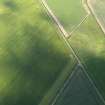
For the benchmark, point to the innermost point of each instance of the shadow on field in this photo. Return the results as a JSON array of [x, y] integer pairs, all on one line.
[[95, 66], [48, 18], [37, 63], [11, 4], [96, 69], [44, 15]]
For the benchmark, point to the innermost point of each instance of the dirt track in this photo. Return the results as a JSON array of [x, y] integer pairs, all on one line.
[[94, 14]]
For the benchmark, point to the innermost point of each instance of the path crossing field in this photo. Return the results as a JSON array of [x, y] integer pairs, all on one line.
[[69, 12], [97, 8]]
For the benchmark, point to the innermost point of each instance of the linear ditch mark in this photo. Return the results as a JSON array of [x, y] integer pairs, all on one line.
[[62, 30]]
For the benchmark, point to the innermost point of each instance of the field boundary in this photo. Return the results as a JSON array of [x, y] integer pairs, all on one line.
[[70, 79], [65, 84], [94, 14], [84, 3], [51, 14]]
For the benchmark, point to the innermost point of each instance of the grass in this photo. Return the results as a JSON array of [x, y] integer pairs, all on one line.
[[67, 12], [32, 55], [89, 44], [79, 91]]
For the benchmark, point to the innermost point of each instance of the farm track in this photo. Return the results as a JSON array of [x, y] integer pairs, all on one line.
[[64, 35], [94, 14], [83, 20], [76, 28], [84, 3]]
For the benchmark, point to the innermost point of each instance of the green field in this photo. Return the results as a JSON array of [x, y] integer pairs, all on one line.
[[32, 55], [79, 91], [35, 61], [69, 12], [89, 44]]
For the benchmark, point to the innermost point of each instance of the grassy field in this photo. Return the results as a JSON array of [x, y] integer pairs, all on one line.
[[69, 12], [99, 8], [89, 44], [32, 55], [79, 91]]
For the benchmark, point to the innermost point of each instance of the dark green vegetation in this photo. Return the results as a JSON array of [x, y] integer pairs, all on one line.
[[69, 12], [32, 55], [89, 44], [79, 91]]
